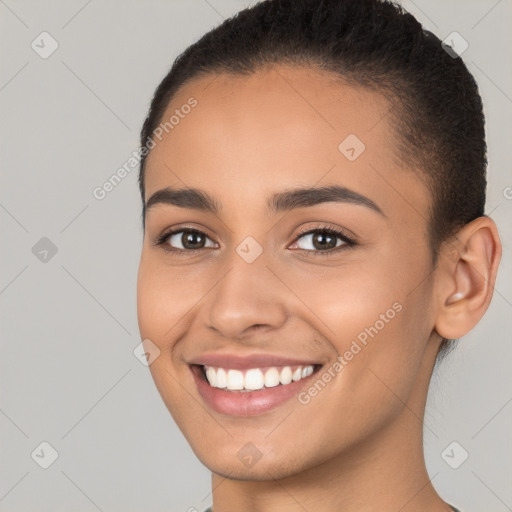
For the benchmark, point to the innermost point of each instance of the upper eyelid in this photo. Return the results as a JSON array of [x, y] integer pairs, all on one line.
[[337, 231]]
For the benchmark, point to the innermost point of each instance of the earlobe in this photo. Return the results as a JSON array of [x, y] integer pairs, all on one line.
[[466, 277]]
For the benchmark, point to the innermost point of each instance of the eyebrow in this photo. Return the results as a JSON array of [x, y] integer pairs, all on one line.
[[287, 200]]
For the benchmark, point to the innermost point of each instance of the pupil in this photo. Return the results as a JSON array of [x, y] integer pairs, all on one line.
[[322, 241], [188, 240]]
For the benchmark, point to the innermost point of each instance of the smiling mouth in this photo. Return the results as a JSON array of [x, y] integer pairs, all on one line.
[[253, 379]]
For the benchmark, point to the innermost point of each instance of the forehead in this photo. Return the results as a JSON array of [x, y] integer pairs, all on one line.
[[250, 136]]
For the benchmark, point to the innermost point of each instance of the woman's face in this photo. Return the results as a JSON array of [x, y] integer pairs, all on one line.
[[253, 284]]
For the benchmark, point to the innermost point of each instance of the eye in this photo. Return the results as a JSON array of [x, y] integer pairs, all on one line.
[[187, 240], [324, 240]]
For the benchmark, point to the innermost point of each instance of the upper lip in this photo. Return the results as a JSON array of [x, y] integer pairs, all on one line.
[[220, 360]]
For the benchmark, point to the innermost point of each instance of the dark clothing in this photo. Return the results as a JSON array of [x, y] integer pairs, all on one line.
[[209, 509]]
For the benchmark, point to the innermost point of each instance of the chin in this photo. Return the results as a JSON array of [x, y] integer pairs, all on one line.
[[233, 466]]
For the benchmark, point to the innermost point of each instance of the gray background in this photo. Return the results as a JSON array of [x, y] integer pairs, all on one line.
[[68, 375]]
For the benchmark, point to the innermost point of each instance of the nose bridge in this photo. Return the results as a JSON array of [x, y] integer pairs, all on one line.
[[247, 295]]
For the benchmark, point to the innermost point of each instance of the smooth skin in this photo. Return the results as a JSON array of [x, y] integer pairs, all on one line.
[[357, 445]]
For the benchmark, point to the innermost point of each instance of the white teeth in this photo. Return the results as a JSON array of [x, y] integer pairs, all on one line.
[[222, 379], [271, 378], [211, 375], [235, 379], [255, 379], [286, 375], [307, 371]]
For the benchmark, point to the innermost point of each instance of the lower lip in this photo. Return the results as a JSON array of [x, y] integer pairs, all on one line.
[[248, 403]]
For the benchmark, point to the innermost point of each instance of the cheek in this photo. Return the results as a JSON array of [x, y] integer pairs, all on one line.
[[375, 313], [345, 300], [165, 296], [163, 301]]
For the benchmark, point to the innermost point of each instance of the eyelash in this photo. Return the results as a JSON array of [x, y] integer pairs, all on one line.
[[348, 241]]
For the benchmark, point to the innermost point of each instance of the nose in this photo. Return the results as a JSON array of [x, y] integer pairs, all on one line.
[[248, 298]]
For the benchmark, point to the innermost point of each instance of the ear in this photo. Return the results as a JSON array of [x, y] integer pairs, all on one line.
[[468, 266]]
